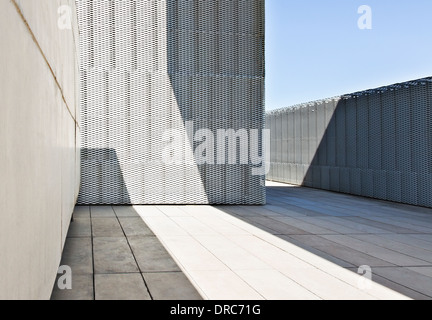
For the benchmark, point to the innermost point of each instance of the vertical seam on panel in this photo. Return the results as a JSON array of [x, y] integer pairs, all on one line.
[[44, 57]]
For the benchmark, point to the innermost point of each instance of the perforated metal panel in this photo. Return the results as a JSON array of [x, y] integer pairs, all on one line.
[[155, 72], [376, 143]]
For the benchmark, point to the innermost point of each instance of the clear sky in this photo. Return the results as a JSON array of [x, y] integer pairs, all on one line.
[[315, 49]]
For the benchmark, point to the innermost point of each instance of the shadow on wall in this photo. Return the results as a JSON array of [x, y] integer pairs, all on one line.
[[147, 69], [375, 144], [217, 77], [104, 183]]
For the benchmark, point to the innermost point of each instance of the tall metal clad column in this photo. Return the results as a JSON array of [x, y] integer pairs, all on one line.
[[155, 76]]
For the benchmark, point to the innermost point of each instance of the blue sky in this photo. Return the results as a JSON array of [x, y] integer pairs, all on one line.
[[314, 48]]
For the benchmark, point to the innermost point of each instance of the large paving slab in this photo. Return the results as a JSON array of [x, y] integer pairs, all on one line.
[[170, 286], [82, 289], [134, 226], [151, 256], [77, 254], [106, 227], [81, 227], [113, 255], [129, 286]]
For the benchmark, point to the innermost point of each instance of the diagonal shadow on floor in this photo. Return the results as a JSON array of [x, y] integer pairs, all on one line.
[[113, 255], [109, 248], [395, 240]]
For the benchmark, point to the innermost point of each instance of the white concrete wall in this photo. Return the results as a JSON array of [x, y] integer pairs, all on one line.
[[39, 144]]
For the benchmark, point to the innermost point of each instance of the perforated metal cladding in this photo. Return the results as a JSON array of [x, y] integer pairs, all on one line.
[[375, 143], [151, 66]]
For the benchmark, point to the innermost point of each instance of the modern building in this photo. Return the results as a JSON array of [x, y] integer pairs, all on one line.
[[172, 97]]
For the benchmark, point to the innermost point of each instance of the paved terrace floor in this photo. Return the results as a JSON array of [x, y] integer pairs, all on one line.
[[304, 244], [113, 255]]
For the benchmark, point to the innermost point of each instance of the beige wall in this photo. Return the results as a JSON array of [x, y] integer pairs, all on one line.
[[39, 155]]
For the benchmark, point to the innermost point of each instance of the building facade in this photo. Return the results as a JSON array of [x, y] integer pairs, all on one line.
[[375, 143], [172, 100]]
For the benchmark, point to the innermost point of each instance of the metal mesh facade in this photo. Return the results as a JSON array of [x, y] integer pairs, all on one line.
[[151, 67], [375, 143]]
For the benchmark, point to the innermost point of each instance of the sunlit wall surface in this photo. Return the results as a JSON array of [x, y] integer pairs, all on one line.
[[39, 130], [375, 143]]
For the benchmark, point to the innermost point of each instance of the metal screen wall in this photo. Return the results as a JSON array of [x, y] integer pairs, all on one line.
[[375, 143], [151, 67]]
